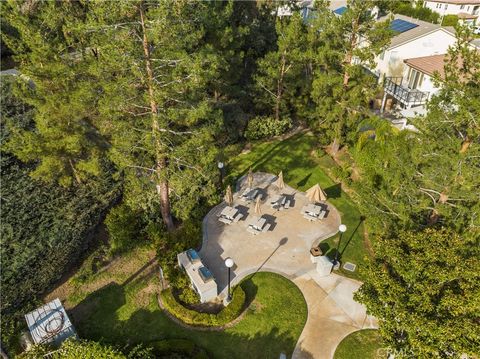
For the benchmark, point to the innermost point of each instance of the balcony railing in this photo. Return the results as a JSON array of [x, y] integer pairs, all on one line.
[[393, 86]]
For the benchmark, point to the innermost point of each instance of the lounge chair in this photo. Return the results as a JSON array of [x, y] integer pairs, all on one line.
[[253, 230], [225, 220], [310, 218], [266, 227], [287, 205], [237, 217], [322, 214]]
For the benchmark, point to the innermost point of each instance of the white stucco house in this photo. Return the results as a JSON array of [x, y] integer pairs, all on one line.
[[415, 39], [415, 85], [420, 38], [466, 10]]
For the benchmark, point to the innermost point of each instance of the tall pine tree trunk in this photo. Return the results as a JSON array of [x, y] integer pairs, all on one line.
[[280, 88], [161, 160], [349, 55]]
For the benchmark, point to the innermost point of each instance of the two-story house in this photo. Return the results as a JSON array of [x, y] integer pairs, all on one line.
[[466, 10]]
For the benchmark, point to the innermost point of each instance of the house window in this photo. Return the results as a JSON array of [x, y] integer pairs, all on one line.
[[468, 8], [446, 5], [415, 79], [462, 7]]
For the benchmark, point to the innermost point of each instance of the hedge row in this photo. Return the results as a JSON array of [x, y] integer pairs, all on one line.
[[192, 317]]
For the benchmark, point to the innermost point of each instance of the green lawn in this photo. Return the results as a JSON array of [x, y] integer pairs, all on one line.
[[364, 344], [303, 165], [124, 310]]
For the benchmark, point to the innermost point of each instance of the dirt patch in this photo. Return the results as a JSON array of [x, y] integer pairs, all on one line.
[[121, 270], [142, 299], [256, 306]]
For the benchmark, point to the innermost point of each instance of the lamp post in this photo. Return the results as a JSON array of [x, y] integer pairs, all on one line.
[[341, 228], [229, 264], [220, 166]]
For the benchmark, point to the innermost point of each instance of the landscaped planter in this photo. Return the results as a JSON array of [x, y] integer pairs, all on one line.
[[192, 317]]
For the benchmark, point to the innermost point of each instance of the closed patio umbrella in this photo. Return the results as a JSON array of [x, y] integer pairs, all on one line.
[[250, 178], [279, 182], [257, 206], [316, 194], [229, 196]]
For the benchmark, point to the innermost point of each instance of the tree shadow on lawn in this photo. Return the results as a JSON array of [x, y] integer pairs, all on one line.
[[334, 191], [304, 180], [98, 317], [280, 157]]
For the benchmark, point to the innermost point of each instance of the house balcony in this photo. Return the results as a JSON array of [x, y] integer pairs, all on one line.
[[406, 96]]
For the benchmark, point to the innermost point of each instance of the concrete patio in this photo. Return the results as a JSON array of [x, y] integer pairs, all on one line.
[[285, 249]]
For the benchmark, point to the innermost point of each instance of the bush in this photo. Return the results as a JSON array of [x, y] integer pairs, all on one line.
[[263, 127], [73, 348], [192, 317], [165, 349], [124, 228], [450, 20], [169, 244], [185, 292]]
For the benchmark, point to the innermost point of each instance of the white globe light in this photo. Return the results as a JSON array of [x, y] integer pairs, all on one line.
[[342, 228], [229, 262], [220, 165]]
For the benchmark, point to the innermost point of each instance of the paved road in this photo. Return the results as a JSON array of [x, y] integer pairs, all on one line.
[[332, 312]]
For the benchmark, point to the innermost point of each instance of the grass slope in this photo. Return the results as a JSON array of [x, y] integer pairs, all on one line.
[[119, 306], [304, 165]]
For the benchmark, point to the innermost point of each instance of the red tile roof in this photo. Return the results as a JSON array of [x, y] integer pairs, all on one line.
[[428, 64]]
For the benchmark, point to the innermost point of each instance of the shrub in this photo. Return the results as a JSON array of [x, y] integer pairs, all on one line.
[[264, 127], [73, 348], [124, 228], [168, 347], [169, 244], [450, 20], [192, 317], [185, 292]]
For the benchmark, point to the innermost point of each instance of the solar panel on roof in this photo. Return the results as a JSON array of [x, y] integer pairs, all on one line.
[[205, 274], [399, 25], [340, 10]]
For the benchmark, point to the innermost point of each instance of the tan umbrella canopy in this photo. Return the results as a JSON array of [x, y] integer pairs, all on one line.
[[229, 196], [316, 194], [279, 182], [250, 178], [257, 206]]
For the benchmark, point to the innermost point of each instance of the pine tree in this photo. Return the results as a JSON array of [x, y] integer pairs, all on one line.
[[449, 156], [156, 111], [342, 46], [281, 73], [52, 60]]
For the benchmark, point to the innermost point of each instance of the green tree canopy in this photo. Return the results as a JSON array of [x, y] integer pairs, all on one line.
[[281, 79], [425, 287]]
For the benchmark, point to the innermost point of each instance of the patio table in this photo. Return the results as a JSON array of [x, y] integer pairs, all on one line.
[[313, 209], [259, 224], [229, 212]]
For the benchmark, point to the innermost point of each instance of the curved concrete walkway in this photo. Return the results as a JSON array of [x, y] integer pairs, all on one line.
[[284, 249]]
